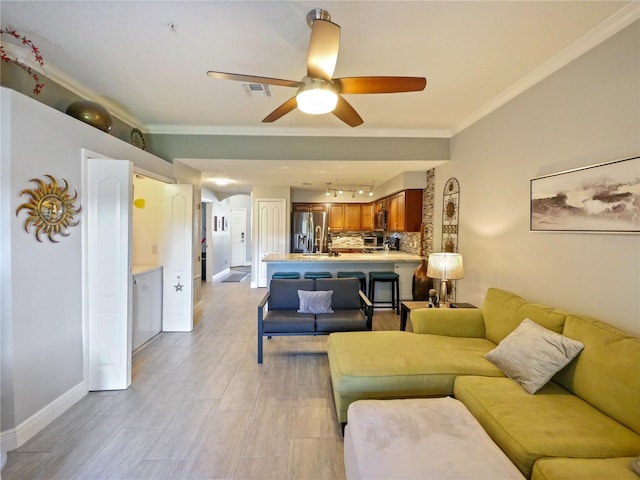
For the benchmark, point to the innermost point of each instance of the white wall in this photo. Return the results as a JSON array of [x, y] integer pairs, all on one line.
[[41, 282], [584, 114], [147, 221]]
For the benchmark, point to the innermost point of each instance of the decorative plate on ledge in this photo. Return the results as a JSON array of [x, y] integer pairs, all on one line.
[[137, 139]]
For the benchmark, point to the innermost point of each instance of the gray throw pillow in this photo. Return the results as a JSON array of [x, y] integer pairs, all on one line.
[[531, 355], [315, 302]]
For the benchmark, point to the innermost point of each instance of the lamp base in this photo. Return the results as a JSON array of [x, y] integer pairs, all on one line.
[[444, 294]]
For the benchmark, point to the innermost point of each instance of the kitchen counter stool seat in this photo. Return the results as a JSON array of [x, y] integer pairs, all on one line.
[[286, 275], [314, 275], [385, 276], [355, 274]]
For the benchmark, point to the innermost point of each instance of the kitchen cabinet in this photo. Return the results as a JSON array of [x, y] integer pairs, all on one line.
[[349, 217], [352, 216], [405, 211], [366, 216], [146, 304], [309, 207], [336, 216]]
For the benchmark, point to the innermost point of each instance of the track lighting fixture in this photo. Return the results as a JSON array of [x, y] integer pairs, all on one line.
[[354, 190]]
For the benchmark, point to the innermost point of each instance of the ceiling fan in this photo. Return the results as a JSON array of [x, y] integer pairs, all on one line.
[[318, 92]]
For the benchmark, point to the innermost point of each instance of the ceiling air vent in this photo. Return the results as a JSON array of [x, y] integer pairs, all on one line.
[[257, 89]]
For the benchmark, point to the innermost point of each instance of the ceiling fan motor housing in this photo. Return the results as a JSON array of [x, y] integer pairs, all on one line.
[[317, 14]]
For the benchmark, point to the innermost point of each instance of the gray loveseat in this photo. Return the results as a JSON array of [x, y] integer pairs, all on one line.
[[278, 312]]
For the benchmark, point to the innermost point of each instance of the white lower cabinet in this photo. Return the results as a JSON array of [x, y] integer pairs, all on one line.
[[147, 304], [405, 271]]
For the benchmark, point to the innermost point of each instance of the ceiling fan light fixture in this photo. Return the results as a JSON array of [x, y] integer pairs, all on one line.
[[317, 98]]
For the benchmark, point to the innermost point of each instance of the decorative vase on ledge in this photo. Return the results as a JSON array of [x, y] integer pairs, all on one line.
[[421, 284], [92, 113]]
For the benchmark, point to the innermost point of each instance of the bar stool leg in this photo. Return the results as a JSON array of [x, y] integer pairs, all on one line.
[[372, 289]]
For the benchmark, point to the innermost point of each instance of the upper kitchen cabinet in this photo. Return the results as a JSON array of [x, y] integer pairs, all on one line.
[[352, 216], [349, 217], [336, 216], [309, 207], [366, 216], [405, 211]]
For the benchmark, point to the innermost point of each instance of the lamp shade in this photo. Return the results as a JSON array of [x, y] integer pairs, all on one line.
[[447, 266]]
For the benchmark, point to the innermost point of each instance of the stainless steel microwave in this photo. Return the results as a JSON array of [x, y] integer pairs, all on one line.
[[380, 220]]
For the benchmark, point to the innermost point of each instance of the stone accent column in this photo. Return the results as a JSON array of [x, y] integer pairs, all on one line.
[[428, 198]]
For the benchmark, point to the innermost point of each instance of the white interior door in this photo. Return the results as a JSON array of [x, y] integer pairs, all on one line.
[[238, 236], [109, 197], [272, 233], [177, 259]]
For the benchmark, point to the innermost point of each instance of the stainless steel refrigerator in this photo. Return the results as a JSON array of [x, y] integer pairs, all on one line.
[[309, 232]]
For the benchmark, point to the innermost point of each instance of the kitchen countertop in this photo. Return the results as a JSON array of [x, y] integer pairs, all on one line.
[[138, 269], [378, 257]]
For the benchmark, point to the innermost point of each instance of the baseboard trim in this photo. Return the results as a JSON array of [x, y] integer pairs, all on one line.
[[221, 275], [18, 436]]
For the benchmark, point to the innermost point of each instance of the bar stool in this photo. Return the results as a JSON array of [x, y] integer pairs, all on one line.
[[354, 274], [392, 277], [286, 275], [314, 275]]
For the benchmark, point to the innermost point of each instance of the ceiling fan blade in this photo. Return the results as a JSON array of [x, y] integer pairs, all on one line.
[[345, 112], [323, 49], [281, 111], [379, 84], [254, 79]]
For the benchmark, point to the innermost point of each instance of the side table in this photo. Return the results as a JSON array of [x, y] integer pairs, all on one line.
[[406, 307]]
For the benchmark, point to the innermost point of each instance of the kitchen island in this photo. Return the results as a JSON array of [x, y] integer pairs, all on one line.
[[404, 264]]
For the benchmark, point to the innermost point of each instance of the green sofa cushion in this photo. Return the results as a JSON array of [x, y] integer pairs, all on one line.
[[607, 371], [583, 469], [551, 423], [391, 364], [453, 322], [503, 311]]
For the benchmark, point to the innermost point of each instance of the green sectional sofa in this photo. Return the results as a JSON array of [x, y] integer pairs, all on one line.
[[590, 409]]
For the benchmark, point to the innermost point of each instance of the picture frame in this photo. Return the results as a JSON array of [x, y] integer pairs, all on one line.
[[225, 223], [603, 198], [215, 223]]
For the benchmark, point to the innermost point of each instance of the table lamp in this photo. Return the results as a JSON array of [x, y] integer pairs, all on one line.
[[445, 266]]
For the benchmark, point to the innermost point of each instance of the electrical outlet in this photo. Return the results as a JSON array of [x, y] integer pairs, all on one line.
[[154, 249]]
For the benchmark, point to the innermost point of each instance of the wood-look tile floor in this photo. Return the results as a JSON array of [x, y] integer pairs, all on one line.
[[200, 407]]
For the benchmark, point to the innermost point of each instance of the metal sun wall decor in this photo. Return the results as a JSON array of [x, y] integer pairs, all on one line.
[[602, 198], [450, 218], [50, 208]]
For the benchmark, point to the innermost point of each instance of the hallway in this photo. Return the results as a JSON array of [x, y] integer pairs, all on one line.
[[200, 407]]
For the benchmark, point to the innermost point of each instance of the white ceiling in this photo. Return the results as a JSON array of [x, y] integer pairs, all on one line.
[[147, 61]]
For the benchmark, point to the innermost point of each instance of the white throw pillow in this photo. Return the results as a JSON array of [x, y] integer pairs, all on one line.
[[315, 302], [532, 354]]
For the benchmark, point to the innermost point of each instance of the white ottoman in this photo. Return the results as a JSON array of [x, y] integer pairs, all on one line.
[[430, 438]]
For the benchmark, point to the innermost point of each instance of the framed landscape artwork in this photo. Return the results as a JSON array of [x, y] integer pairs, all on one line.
[[601, 198]]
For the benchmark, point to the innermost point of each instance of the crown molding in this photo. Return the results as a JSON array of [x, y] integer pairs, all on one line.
[[295, 132], [58, 76], [612, 25]]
